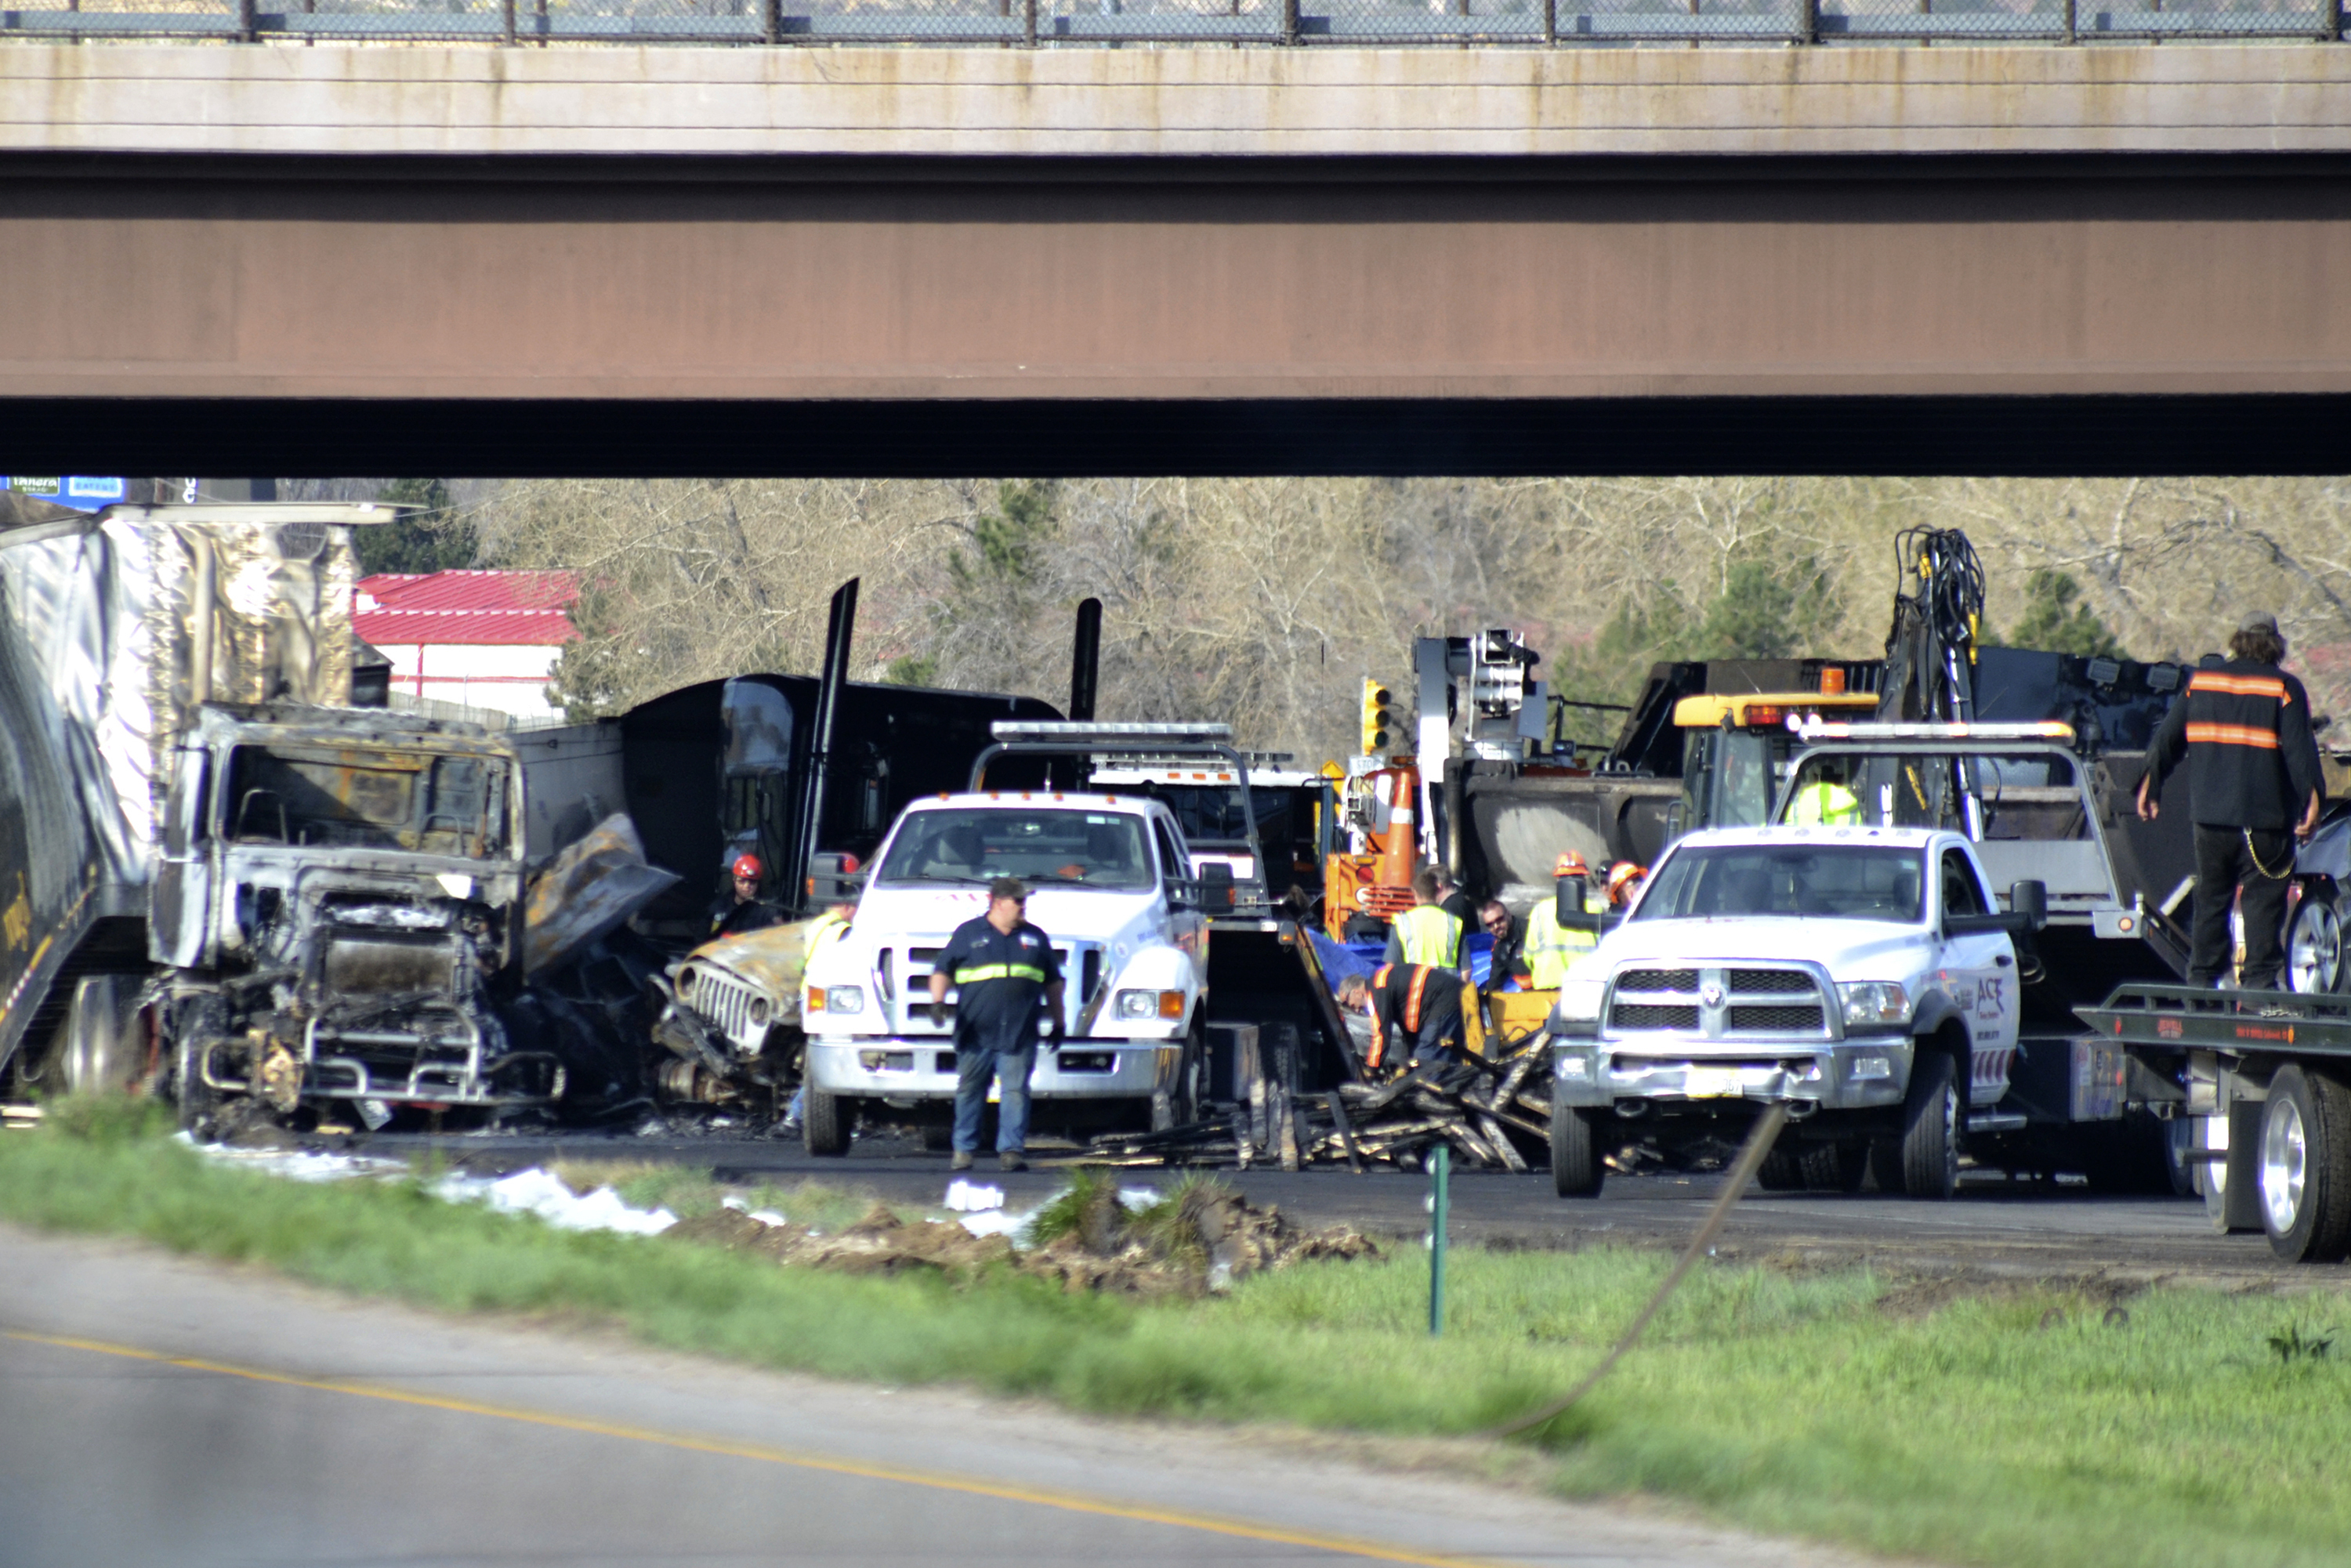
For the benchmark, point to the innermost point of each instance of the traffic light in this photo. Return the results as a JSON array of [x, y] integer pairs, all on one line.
[[1382, 726]]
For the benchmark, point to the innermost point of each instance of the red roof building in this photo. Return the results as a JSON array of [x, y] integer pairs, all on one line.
[[483, 639]]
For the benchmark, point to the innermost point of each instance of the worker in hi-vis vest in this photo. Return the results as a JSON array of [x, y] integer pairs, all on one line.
[[1550, 946], [1825, 803], [1425, 934]]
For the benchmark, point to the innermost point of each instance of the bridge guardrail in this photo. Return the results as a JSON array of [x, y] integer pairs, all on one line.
[[1279, 23]]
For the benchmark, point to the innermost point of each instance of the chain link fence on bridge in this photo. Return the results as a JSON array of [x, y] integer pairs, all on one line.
[[1306, 23]]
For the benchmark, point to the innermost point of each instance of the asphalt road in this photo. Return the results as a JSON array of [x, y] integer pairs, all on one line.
[[2024, 1230], [160, 1411]]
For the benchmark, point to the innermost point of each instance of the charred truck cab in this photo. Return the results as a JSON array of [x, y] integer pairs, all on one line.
[[338, 907]]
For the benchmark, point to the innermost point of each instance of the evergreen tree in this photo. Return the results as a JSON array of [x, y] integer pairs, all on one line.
[[2054, 622], [430, 536], [1769, 611]]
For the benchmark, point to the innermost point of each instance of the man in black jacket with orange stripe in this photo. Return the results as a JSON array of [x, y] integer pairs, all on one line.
[[1421, 1004], [2254, 785]]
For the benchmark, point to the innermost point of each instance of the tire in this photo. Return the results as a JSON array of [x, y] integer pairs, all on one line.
[[2313, 945], [2304, 1167], [1178, 1103], [1575, 1167], [824, 1123], [1838, 1167], [1781, 1170], [1927, 1155]]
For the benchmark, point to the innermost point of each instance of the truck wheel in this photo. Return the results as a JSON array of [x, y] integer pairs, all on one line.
[[2306, 1168], [1837, 1166], [1781, 1171], [824, 1123], [1575, 1167], [2314, 945], [1929, 1153], [1178, 1104]]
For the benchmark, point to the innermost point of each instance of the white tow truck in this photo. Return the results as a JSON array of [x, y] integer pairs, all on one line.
[[1111, 882], [1862, 974]]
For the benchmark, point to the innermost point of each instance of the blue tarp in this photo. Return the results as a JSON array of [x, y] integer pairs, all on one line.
[[1341, 959]]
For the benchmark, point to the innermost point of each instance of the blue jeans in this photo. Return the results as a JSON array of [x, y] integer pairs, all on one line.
[[974, 1066]]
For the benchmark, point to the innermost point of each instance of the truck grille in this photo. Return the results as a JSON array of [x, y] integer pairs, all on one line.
[[1641, 1015], [1751, 1001], [1770, 983], [1081, 972], [1807, 1016], [722, 1003]]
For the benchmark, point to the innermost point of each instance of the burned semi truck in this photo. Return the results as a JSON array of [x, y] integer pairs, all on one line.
[[219, 879]]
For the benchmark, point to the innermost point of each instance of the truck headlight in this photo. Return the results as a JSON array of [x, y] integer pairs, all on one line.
[[1864, 1068], [685, 981], [758, 1010], [844, 998], [1579, 1000], [1871, 1004], [1150, 1004]]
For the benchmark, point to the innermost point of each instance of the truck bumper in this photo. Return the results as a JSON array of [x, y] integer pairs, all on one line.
[[1860, 1073], [885, 1068]]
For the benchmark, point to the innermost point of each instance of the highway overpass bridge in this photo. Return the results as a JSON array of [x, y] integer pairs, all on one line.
[[288, 258]]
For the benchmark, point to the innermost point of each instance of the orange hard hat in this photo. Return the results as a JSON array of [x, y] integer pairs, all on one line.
[[1624, 874], [748, 865], [1571, 864]]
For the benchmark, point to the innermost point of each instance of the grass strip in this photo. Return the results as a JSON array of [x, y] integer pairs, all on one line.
[[2019, 1428]]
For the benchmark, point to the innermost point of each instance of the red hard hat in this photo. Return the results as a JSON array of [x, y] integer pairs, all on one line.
[[748, 865]]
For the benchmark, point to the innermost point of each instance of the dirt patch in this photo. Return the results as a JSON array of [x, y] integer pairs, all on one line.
[[1198, 1241]]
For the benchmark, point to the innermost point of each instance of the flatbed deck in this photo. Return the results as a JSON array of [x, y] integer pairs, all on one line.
[[2241, 1023], [2264, 1079]]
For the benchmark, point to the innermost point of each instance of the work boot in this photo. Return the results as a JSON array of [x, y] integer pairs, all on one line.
[[962, 1161], [1011, 1162]]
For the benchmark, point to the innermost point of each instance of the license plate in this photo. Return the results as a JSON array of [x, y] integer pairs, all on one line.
[[1712, 1083]]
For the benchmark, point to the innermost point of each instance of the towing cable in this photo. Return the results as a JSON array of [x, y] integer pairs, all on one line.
[[1759, 1139]]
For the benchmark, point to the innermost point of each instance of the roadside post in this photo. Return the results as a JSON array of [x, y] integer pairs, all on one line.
[[1440, 1167]]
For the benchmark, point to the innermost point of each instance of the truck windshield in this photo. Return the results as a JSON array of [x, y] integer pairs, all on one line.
[[1089, 849], [1839, 882], [360, 800], [2022, 796]]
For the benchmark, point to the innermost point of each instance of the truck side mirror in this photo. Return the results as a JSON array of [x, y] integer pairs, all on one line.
[[2031, 900], [1568, 895], [1216, 889]]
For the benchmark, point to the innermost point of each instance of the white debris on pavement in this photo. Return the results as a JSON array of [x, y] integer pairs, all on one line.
[[767, 1216], [1135, 1199], [534, 1191], [544, 1193], [967, 1197], [295, 1164]]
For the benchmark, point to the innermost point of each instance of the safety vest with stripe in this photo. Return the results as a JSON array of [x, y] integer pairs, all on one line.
[[2210, 721], [1824, 803], [1430, 936], [1551, 947], [823, 931], [978, 972]]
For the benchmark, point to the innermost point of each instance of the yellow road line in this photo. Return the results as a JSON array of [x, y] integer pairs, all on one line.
[[1072, 1502]]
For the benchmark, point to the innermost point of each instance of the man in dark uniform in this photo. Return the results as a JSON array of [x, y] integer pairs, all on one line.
[[1001, 967], [746, 911], [1420, 1005], [1510, 962], [2254, 785]]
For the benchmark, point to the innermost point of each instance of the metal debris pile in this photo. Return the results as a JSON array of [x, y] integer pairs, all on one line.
[[1493, 1113]]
